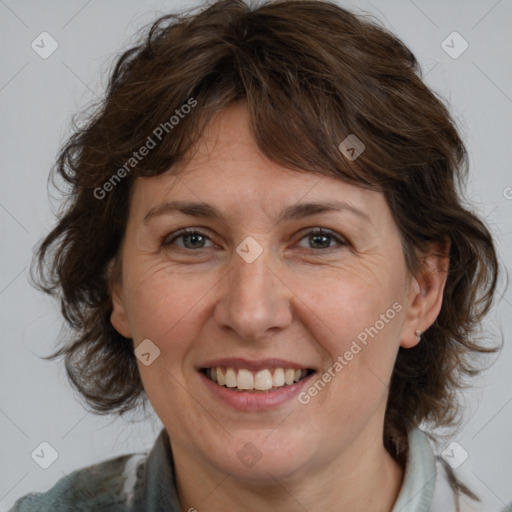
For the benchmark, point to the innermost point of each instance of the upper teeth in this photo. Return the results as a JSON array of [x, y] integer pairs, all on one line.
[[261, 380]]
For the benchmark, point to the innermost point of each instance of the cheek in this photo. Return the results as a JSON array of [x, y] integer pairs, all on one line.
[[165, 306], [168, 308], [355, 317], [347, 303]]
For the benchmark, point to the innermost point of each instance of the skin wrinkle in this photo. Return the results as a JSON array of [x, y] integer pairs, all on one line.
[[328, 454]]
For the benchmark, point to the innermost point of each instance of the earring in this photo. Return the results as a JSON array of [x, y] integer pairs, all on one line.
[[418, 333]]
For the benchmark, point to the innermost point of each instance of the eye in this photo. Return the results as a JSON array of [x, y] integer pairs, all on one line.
[[321, 239], [191, 238]]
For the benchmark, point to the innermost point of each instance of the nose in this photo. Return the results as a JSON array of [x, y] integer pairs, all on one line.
[[254, 300]]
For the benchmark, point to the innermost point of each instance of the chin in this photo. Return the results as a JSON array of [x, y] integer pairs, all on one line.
[[257, 458]]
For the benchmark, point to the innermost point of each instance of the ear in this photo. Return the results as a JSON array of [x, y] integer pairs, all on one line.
[[425, 297], [118, 317]]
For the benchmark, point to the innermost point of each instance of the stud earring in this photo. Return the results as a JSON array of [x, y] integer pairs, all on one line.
[[418, 333]]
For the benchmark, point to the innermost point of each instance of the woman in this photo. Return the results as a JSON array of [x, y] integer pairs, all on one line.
[[266, 241]]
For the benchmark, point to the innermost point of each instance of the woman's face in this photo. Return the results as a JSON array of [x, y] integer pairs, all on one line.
[[258, 293]]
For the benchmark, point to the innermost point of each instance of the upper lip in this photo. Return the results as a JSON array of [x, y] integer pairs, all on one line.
[[255, 364]]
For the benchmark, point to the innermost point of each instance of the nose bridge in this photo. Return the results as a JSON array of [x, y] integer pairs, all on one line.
[[253, 300]]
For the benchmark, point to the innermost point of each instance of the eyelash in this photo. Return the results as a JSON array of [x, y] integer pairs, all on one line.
[[190, 231]]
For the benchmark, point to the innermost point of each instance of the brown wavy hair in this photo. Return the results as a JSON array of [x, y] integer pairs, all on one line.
[[310, 74]]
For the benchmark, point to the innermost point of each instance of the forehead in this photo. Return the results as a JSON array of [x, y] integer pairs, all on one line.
[[226, 168]]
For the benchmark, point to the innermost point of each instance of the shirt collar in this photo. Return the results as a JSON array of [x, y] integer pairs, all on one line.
[[158, 474], [420, 475]]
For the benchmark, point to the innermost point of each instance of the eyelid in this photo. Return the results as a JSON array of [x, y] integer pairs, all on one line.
[[312, 231], [171, 237], [303, 233]]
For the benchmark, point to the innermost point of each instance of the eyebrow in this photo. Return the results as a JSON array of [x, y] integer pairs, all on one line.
[[296, 211]]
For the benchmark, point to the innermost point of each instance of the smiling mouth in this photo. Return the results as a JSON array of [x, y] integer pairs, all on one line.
[[261, 381]]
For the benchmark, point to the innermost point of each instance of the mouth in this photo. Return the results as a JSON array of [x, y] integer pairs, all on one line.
[[264, 380]]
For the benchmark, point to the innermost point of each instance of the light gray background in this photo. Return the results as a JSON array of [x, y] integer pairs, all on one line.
[[37, 99]]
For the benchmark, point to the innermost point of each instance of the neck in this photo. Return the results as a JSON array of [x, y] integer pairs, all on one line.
[[366, 479]]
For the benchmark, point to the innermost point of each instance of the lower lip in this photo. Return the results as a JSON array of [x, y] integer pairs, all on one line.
[[254, 400]]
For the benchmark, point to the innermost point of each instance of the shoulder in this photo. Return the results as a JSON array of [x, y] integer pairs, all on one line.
[[110, 485]]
